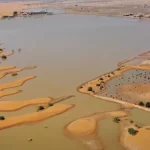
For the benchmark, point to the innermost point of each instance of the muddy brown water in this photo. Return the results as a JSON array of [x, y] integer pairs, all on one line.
[[68, 50]]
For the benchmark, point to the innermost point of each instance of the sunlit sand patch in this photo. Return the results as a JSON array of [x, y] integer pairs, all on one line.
[[140, 141], [7, 93], [16, 105], [16, 83], [4, 73], [86, 129], [6, 67], [36, 116]]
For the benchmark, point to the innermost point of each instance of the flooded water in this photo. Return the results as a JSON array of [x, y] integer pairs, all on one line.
[[133, 77], [68, 50]]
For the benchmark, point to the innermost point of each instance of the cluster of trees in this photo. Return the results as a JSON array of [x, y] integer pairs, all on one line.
[[132, 131], [147, 104], [116, 119]]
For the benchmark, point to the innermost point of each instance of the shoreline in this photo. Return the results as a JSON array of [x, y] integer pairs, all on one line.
[[133, 9]]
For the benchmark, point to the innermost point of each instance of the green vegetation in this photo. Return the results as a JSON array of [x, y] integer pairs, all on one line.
[[141, 103], [40, 108], [116, 119], [15, 13], [131, 121], [4, 57], [14, 74], [137, 126], [50, 104], [90, 89], [132, 131], [148, 104], [2, 118]]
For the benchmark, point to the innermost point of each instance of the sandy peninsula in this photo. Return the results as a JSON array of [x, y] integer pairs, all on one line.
[[36, 116], [96, 86]]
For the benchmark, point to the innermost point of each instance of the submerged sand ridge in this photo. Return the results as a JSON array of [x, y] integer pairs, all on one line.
[[4, 73], [86, 129], [7, 93], [16, 83]]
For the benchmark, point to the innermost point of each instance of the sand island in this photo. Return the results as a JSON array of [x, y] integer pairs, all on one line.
[[47, 107]]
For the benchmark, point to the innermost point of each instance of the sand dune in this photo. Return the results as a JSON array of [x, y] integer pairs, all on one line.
[[16, 83], [6, 93], [6, 67], [16, 105], [35, 117]]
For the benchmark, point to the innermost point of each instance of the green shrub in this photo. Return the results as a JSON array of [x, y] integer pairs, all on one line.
[[116, 119], [4, 57], [2, 118], [148, 104], [14, 74], [90, 89], [136, 125], [15, 13], [40, 108], [131, 121], [132, 131], [141, 103], [50, 104]]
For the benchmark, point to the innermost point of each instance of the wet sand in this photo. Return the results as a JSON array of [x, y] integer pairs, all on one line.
[[35, 117]]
